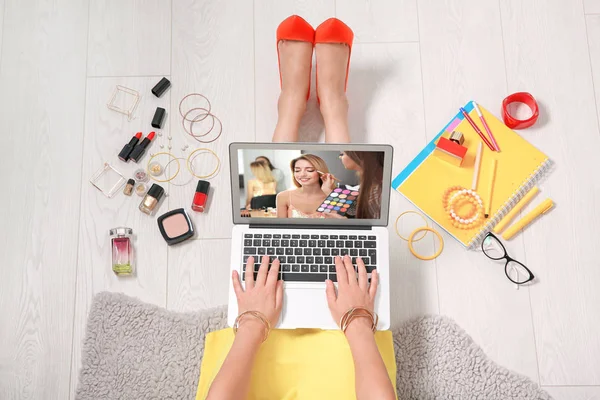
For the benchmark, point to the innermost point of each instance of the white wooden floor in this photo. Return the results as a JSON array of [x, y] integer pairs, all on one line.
[[414, 62]]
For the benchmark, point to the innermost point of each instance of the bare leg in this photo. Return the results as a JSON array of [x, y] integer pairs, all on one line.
[[332, 59], [295, 63]]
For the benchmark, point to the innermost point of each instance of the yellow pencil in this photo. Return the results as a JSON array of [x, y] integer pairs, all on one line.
[[541, 209], [516, 209], [488, 206], [477, 166]]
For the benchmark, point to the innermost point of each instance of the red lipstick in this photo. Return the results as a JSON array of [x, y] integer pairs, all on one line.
[[139, 150], [125, 153]]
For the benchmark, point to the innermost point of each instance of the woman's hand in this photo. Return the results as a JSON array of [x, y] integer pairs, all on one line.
[[265, 294], [334, 215], [370, 375], [351, 292], [328, 183]]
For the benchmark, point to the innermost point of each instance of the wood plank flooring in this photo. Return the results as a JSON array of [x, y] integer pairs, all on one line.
[[414, 62]]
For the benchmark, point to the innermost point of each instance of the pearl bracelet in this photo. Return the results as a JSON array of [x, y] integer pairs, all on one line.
[[454, 198]]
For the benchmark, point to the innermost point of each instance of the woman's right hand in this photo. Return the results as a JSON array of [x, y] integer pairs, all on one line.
[[351, 292], [328, 183], [333, 215]]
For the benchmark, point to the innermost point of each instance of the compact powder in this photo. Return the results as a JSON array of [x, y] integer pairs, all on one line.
[[175, 225]]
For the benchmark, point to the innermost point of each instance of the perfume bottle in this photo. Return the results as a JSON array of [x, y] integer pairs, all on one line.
[[122, 250]]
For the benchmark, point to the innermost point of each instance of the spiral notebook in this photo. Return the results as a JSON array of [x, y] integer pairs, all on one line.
[[520, 166]]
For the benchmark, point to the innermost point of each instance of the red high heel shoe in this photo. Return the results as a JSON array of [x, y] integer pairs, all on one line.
[[295, 28], [334, 31]]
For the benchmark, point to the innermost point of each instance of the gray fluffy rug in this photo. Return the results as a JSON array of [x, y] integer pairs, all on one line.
[[133, 350]]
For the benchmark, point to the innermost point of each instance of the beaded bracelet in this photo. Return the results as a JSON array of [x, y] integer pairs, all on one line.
[[357, 312], [456, 197], [260, 316]]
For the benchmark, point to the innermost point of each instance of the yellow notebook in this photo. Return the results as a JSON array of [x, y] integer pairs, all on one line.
[[520, 166]]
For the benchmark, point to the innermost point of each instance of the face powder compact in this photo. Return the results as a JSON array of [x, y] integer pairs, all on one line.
[[175, 226]]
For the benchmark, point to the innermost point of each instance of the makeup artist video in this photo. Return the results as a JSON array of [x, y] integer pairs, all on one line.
[[279, 183]]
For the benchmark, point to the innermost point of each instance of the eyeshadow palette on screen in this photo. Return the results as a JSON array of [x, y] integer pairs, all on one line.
[[340, 201]]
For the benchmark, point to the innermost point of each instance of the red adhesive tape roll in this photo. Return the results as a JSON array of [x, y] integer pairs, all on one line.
[[520, 97]]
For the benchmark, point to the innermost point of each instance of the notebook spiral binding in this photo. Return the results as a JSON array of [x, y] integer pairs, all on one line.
[[533, 180]]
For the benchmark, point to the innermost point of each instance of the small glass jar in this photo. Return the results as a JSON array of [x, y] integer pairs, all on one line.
[[122, 250]]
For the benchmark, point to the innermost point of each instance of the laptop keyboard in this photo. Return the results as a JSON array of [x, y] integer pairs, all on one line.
[[308, 258]]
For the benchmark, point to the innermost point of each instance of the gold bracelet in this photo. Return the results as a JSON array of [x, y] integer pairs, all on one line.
[[261, 317], [357, 312], [189, 163]]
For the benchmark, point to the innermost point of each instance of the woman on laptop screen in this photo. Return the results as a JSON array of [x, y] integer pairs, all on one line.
[[264, 183], [313, 183], [368, 166]]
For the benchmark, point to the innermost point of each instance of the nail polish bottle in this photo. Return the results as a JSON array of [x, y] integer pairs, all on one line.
[[151, 199], [201, 196], [122, 250], [129, 187]]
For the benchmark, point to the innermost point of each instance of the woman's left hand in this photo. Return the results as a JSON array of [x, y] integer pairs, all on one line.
[[263, 294], [328, 183]]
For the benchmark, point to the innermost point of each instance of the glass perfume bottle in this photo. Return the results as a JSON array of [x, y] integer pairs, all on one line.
[[122, 250]]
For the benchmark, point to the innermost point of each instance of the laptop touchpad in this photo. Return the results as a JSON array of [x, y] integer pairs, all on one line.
[[305, 307]]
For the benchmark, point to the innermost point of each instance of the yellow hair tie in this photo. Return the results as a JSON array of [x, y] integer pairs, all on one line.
[[410, 212], [411, 240]]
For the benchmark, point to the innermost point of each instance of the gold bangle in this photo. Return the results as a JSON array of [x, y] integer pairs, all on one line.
[[410, 212], [163, 180], [411, 240], [357, 312], [188, 163], [260, 316]]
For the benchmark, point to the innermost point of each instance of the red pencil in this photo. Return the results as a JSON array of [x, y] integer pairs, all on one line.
[[481, 135]]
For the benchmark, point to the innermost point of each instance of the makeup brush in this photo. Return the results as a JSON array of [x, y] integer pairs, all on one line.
[[323, 173]]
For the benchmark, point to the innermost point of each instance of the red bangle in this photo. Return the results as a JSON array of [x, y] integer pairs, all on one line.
[[520, 97]]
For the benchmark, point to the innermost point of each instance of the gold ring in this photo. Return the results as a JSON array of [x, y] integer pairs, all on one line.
[[163, 180], [188, 163]]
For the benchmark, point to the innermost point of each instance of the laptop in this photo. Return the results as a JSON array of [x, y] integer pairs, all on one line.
[[304, 227]]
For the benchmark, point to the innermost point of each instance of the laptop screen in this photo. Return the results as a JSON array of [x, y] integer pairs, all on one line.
[[311, 184]]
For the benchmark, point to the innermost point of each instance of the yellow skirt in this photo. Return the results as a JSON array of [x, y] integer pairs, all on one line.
[[296, 364]]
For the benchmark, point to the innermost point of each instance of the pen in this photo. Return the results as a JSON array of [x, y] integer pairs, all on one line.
[[541, 209], [481, 135], [485, 125]]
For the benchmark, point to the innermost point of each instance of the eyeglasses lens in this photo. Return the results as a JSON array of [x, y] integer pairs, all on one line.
[[493, 248], [516, 272]]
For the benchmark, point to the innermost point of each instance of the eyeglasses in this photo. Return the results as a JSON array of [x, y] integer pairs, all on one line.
[[515, 271]]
